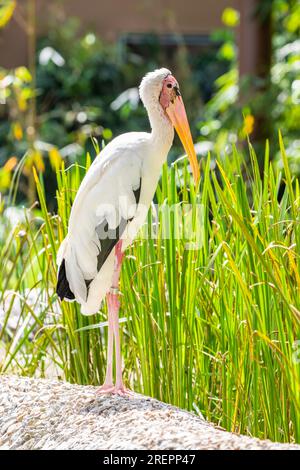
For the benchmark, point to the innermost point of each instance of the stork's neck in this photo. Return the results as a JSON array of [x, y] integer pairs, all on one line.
[[162, 131]]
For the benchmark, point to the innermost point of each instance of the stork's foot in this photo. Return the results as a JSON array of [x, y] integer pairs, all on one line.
[[122, 391], [105, 388], [110, 389]]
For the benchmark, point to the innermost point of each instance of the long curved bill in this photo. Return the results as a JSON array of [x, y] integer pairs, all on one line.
[[177, 114]]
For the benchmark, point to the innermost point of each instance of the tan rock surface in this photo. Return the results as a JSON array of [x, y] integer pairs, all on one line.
[[45, 414]]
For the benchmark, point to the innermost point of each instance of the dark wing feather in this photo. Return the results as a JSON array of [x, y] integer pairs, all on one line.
[[62, 288]]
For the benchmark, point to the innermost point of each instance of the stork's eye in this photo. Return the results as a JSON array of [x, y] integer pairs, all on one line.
[[169, 85]]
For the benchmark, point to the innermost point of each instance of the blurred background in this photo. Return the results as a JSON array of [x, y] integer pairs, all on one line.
[[69, 72]]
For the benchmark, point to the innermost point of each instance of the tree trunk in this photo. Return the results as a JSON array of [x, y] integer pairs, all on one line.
[[255, 54]]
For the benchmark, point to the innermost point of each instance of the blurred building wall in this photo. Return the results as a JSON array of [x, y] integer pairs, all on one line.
[[112, 18]]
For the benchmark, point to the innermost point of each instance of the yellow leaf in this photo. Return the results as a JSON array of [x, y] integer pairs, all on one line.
[[17, 131], [230, 17], [10, 164], [6, 12], [23, 74], [34, 158], [227, 182], [248, 124], [5, 177], [107, 134], [38, 160], [55, 158], [21, 103], [36, 178]]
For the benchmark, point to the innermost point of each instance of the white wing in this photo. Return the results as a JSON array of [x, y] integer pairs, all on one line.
[[106, 198]]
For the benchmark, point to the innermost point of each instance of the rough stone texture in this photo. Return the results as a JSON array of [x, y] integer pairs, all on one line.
[[45, 414]]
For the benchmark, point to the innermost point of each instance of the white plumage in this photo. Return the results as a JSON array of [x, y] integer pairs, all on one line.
[[112, 204], [107, 192]]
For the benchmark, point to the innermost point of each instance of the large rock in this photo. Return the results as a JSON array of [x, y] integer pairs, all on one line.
[[44, 414]]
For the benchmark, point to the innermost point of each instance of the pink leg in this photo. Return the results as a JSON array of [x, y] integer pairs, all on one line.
[[113, 332], [119, 388], [108, 385]]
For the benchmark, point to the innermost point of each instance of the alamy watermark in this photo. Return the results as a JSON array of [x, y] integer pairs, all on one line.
[[181, 221], [296, 353]]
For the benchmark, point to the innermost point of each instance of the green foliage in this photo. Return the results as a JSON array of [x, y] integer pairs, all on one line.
[[85, 87], [16, 93], [88, 87], [277, 100], [211, 329]]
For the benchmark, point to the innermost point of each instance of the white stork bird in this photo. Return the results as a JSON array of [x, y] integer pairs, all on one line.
[[111, 205]]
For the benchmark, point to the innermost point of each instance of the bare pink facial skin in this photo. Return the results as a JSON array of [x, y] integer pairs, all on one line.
[[171, 101], [170, 90]]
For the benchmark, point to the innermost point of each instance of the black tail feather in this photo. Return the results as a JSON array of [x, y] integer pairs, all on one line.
[[62, 288]]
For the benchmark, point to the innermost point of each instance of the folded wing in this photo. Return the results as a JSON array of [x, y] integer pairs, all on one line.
[[104, 205]]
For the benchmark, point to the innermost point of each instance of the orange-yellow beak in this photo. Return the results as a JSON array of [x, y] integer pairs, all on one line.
[[178, 117]]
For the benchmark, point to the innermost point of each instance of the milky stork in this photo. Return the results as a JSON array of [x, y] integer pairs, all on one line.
[[111, 205]]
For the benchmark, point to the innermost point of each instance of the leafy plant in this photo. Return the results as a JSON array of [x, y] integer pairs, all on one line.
[[278, 100], [78, 86]]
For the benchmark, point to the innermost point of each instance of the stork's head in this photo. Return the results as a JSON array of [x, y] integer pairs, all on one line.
[[160, 89]]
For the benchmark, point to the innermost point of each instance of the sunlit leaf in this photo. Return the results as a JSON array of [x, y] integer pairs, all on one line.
[[22, 103], [5, 179], [292, 22], [248, 124], [227, 51], [34, 159], [55, 158], [11, 163], [107, 134], [38, 161], [17, 130], [6, 11], [23, 74], [230, 17]]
